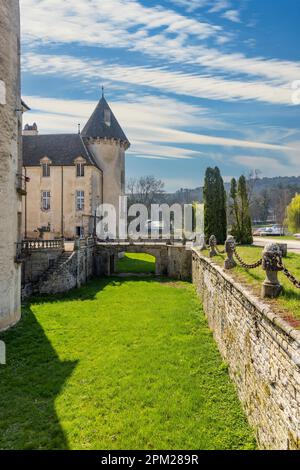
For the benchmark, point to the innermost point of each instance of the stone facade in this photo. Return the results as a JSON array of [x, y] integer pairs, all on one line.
[[10, 162], [61, 167], [263, 353], [62, 217]]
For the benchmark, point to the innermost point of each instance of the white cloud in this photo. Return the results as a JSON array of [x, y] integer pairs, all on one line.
[[161, 79], [220, 5], [151, 121], [232, 15], [94, 22], [270, 166]]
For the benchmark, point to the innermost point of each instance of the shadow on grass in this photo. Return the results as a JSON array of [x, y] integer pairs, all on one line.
[[290, 294], [135, 265], [92, 289], [29, 384]]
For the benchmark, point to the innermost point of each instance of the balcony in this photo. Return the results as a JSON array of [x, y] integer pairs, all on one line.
[[21, 182]]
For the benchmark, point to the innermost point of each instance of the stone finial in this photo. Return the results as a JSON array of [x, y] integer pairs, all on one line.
[[212, 246], [229, 248], [271, 255]]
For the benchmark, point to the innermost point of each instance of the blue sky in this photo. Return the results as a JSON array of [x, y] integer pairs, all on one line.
[[192, 82]]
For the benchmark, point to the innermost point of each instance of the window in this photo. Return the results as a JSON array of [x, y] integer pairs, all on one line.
[[80, 170], [46, 200], [107, 117], [80, 200], [79, 231], [46, 170]]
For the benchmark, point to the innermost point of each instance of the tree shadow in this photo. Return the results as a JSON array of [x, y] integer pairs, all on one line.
[[136, 265], [29, 384]]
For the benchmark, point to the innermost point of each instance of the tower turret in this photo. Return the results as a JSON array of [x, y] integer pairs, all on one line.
[[108, 143]]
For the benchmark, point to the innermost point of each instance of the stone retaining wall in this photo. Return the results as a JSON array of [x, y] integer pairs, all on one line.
[[77, 270], [262, 351]]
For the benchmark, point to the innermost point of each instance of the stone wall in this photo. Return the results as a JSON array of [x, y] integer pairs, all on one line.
[[37, 263], [262, 351], [170, 260], [10, 162], [74, 272]]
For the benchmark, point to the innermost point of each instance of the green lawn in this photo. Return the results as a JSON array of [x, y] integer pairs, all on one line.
[[281, 238], [118, 364], [136, 263], [288, 304]]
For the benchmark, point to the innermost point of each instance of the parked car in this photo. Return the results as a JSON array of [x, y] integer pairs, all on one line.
[[274, 231], [297, 235]]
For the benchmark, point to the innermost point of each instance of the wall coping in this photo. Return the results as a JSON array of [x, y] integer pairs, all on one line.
[[262, 307]]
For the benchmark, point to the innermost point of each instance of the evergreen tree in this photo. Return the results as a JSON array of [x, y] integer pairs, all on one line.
[[234, 210], [240, 212], [215, 219]]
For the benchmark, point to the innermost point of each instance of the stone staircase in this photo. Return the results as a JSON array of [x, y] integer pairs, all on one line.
[[65, 256]]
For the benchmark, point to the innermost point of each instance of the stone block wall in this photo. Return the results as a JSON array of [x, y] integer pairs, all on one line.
[[76, 271], [37, 263], [10, 163], [262, 351]]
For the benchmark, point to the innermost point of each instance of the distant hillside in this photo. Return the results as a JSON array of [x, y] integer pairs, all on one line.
[[187, 196]]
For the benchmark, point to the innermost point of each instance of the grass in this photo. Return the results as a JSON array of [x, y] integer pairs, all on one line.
[[118, 364], [136, 263], [288, 304], [281, 238]]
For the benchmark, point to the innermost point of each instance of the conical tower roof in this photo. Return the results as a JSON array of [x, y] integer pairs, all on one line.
[[103, 124]]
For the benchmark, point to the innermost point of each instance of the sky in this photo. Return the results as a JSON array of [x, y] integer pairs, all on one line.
[[193, 83]]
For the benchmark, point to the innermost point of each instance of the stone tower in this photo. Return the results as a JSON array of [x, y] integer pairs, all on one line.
[[107, 142], [10, 163]]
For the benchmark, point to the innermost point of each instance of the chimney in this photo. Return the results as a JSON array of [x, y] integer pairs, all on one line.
[[30, 130]]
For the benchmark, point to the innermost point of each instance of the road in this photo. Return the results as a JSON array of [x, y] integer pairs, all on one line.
[[293, 245]]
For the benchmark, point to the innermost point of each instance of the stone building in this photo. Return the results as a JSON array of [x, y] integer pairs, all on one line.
[[11, 180], [72, 174]]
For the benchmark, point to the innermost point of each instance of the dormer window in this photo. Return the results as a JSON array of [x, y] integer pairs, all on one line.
[[79, 170], [107, 117], [46, 170]]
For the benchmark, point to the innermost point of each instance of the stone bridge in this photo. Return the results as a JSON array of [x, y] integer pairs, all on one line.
[[172, 260]]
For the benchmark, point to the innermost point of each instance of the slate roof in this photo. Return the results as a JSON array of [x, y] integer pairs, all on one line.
[[96, 126], [61, 149]]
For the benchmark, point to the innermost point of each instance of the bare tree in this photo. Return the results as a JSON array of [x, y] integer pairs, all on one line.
[[145, 190], [252, 179]]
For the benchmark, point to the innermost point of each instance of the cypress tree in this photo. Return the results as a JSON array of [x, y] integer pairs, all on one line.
[[215, 220], [240, 212], [246, 223], [234, 210]]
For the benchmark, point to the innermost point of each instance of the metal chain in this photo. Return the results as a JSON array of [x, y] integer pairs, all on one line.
[[219, 251], [245, 265], [213, 243], [288, 274]]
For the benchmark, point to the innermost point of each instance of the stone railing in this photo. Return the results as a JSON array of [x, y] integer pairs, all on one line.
[[30, 245], [262, 352], [26, 247]]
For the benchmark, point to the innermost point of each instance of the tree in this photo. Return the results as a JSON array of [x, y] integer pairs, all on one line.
[[145, 190], [293, 215], [240, 211], [215, 217], [234, 210]]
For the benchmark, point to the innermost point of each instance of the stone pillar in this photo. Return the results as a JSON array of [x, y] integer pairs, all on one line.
[[10, 163], [229, 248], [271, 287], [212, 246]]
